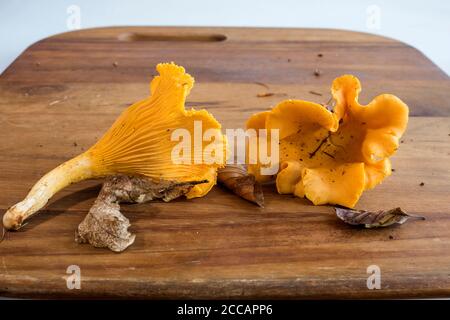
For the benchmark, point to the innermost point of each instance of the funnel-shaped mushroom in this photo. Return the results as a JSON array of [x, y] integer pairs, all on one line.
[[139, 143], [332, 157]]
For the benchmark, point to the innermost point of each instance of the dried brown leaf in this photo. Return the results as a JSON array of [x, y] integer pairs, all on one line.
[[237, 179], [374, 219], [105, 226]]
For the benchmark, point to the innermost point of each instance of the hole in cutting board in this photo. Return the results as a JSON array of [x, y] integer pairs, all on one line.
[[188, 37]]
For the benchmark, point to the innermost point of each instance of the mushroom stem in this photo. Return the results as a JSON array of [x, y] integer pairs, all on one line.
[[71, 171]]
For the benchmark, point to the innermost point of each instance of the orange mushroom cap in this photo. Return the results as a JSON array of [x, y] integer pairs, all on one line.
[[140, 141], [332, 157]]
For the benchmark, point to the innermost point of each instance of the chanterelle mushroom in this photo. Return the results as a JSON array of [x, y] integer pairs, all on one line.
[[138, 143], [332, 157]]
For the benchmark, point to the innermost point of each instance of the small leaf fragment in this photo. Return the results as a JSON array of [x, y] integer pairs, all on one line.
[[265, 94], [374, 219]]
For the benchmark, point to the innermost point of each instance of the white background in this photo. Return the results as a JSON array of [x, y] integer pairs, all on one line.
[[422, 24]]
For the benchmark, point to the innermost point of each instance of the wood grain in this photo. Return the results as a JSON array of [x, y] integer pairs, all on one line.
[[63, 92], [285, 59]]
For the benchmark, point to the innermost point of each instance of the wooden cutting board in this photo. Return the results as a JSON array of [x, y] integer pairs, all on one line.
[[63, 92]]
